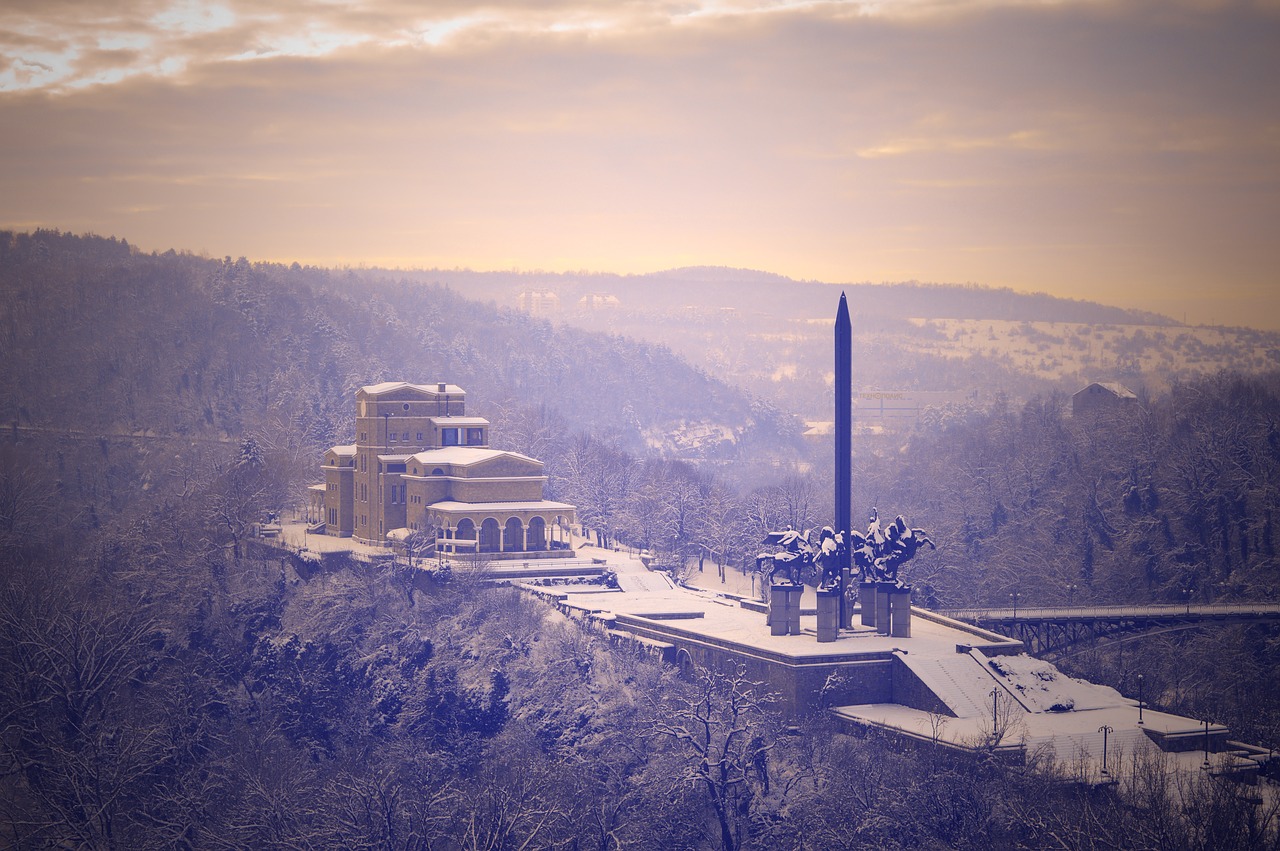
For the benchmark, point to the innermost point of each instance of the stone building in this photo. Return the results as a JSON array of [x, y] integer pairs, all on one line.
[[1102, 396], [421, 464]]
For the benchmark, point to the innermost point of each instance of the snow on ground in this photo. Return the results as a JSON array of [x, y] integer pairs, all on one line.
[[1041, 687]]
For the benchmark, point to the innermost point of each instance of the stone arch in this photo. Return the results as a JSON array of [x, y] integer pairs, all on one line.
[[537, 533], [465, 530], [490, 536], [513, 535]]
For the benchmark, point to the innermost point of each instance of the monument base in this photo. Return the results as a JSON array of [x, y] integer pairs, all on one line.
[[900, 612], [883, 590], [784, 609], [867, 600], [828, 614], [777, 617]]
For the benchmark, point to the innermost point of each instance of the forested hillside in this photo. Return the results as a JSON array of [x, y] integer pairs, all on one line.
[[177, 701], [99, 337], [1144, 503]]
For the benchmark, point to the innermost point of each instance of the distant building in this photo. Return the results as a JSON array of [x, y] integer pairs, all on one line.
[[598, 301], [420, 464], [1102, 396], [539, 302]]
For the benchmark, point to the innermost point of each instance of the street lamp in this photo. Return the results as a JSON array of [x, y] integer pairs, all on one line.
[[1014, 595], [1205, 765], [1186, 597], [1105, 729], [1071, 594], [1140, 695], [995, 716]]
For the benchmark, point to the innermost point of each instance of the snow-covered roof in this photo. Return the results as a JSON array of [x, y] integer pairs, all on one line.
[[388, 386], [460, 421], [473, 507], [1118, 389], [465, 456], [345, 449], [316, 487], [394, 459]]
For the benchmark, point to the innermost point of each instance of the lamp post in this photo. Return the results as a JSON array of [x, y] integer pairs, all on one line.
[[1140, 696], [1105, 730], [1186, 598], [1071, 595], [995, 715], [1205, 765], [1014, 596]]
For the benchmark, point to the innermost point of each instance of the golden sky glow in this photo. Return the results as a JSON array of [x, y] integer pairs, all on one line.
[[1117, 150]]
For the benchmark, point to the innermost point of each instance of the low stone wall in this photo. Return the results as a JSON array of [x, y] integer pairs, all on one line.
[[803, 686], [990, 643]]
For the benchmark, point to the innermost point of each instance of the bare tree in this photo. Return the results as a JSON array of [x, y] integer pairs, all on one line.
[[723, 730]]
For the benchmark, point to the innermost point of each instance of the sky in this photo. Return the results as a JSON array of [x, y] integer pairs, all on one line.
[[1121, 151]]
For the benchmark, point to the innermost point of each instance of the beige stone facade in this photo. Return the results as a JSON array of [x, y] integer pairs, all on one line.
[[421, 464]]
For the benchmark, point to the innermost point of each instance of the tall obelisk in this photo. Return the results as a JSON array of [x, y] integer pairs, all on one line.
[[844, 434]]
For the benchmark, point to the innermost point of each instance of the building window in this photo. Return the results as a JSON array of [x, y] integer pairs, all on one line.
[[404, 438], [448, 437], [475, 437], [392, 437], [362, 463], [419, 437], [364, 436]]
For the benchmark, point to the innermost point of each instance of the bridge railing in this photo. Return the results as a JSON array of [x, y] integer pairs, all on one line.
[[1037, 613]]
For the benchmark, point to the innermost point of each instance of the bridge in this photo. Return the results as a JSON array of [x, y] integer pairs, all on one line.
[[1053, 630]]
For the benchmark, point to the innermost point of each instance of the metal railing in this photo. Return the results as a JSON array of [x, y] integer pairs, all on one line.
[[1038, 613]]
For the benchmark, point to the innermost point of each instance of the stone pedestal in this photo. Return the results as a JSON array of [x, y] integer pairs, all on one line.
[[900, 612], [883, 590], [794, 593], [778, 609], [828, 614], [784, 609], [867, 599]]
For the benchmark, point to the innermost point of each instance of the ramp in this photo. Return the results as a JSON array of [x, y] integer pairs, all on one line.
[[959, 681]]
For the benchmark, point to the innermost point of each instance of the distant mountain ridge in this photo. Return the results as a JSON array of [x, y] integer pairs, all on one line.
[[753, 290]]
